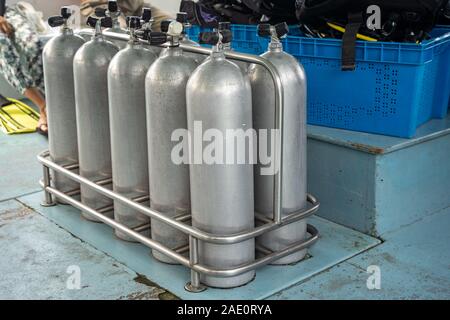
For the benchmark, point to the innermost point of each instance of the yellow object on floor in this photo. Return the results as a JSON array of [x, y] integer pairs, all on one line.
[[18, 117]]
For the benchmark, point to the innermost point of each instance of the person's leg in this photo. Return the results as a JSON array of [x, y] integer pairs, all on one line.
[[29, 68], [35, 95]]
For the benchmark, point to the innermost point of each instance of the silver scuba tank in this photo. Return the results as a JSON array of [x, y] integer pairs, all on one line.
[[126, 87], [219, 101], [113, 12], [184, 39], [166, 112], [90, 65], [60, 97], [294, 157]]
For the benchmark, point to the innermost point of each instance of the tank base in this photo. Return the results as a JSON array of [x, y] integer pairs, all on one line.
[[162, 258], [121, 236], [291, 259], [66, 203], [229, 283], [284, 237], [88, 217]]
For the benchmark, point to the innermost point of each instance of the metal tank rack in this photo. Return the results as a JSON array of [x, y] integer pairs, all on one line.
[[179, 222]]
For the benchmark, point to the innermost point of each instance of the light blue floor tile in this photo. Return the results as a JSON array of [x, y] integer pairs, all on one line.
[[336, 244], [19, 168], [36, 255], [414, 263]]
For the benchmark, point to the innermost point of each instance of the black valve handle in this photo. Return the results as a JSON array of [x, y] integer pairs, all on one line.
[[66, 12], [91, 21], [157, 38], [212, 38], [105, 22], [165, 25], [182, 17], [146, 14], [281, 29], [142, 34], [134, 22], [113, 6], [56, 21], [100, 12]]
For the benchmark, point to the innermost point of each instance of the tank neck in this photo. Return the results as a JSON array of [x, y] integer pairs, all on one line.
[[175, 51], [134, 41], [174, 41], [116, 24], [275, 46], [66, 31], [134, 44], [98, 32], [217, 53], [98, 37]]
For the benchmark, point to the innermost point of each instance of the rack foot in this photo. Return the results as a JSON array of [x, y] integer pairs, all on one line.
[[46, 205], [189, 287]]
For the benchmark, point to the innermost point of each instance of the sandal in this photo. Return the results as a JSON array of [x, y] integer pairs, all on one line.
[[41, 131]]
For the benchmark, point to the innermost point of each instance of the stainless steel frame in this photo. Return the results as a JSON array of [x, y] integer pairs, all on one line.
[[179, 223]]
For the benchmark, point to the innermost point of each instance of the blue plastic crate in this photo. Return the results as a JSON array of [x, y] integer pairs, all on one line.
[[395, 88]]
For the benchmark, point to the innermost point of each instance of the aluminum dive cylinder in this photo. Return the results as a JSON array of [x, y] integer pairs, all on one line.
[[219, 103], [184, 39], [126, 87], [113, 12], [90, 65], [166, 112], [294, 156], [60, 97]]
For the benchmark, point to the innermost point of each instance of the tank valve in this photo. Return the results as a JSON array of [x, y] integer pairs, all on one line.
[[182, 17], [146, 22], [112, 12], [61, 20], [225, 25], [275, 32], [219, 39], [174, 31], [157, 38], [278, 30], [133, 24], [98, 24], [147, 19]]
